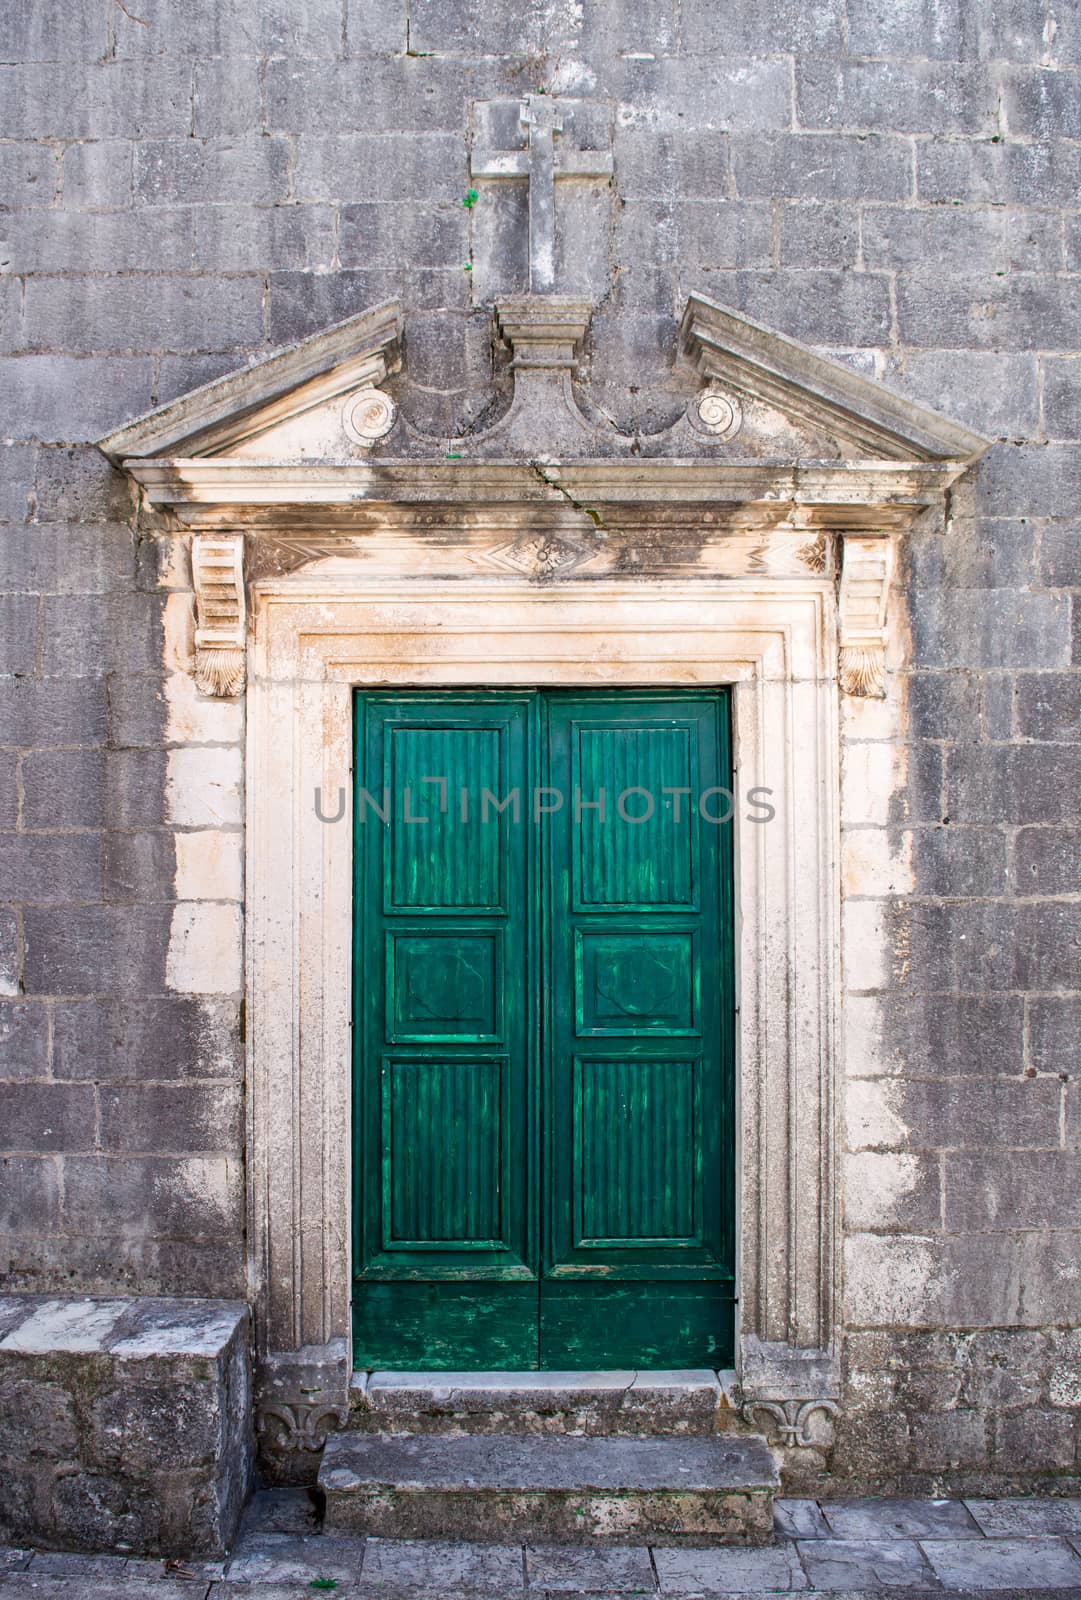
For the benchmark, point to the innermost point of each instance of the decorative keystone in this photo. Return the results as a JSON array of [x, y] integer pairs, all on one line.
[[544, 330], [217, 567]]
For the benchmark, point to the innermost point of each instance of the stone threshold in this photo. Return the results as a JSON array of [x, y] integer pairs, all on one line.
[[685, 1401]]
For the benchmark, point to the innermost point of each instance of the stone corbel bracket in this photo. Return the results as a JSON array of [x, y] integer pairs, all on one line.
[[217, 569], [861, 616]]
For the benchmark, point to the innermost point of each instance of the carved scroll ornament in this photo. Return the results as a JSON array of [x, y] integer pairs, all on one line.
[[217, 567]]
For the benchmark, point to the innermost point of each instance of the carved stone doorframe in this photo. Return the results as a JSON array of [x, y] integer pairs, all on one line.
[[316, 637]]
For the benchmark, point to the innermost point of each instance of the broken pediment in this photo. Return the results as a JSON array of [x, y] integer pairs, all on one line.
[[781, 463]]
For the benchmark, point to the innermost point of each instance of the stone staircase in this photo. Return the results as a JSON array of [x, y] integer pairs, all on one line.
[[561, 1457]]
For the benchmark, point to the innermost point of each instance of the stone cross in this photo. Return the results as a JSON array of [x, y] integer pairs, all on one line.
[[541, 162]]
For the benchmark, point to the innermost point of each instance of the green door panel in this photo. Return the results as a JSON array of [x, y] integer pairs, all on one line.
[[543, 1030]]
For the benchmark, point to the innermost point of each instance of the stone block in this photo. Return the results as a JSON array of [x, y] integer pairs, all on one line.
[[837, 307], [995, 628], [159, 240], [96, 174], [146, 1409], [1027, 1565], [1047, 861], [85, 949], [28, 173], [301, 304], [707, 1571], [29, 1196], [19, 630], [388, 168], [135, 788], [996, 391], [11, 952], [96, 100], [1035, 1440], [896, 96], [175, 313], [375, 27], [409, 94], [907, 239], [270, 1558], [46, 869], [156, 1118], [140, 866], [203, 787], [864, 1564], [1062, 399], [187, 1197], [24, 1040], [815, 235], [950, 1440], [1041, 103], [185, 1038], [1020, 784], [374, 235], [822, 167], [240, 238], [944, 29], [776, 25], [883, 1189], [1009, 1518], [890, 1518], [231, 28], [1033, 1189], [175, 172], [1054, 1028], [47, 1116], [978, 172], [63, 789], [958, 861], [60, 397], [395, 1565], [557, 1570]]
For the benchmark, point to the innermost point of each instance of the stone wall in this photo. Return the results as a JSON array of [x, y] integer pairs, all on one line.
[[192, 185]]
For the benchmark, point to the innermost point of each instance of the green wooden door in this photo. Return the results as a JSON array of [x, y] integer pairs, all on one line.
[[544, 1151]]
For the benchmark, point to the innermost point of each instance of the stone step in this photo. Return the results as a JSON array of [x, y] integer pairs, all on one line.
[[685, 1402], [504, 1488]]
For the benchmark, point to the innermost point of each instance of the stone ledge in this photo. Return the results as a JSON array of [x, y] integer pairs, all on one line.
[[125, 1424]]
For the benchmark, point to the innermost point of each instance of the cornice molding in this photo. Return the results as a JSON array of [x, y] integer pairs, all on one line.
[[353, 354], [760, 364]]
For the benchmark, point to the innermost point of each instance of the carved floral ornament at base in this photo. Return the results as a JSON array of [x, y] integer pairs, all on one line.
[[782, 463]]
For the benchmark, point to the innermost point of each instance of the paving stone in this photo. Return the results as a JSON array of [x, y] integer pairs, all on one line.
[[281, 1558], [722, 1571], [900, 1519], [12, 1560], [1001, 1518], [557, 1568], [859, 1563], [412, 1565], [1002, 1563], [800, 1519], [59, 1564]]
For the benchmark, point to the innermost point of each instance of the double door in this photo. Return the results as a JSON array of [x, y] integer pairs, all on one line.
[[543, 1030]]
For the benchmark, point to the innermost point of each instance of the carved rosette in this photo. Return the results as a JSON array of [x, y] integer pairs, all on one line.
[[865, 579], [217, 568]]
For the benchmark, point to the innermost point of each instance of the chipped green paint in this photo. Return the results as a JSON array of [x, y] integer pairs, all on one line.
[[544, 1147]]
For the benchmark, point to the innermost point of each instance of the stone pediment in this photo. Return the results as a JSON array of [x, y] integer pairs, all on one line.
[[331, 402], [782, 463]]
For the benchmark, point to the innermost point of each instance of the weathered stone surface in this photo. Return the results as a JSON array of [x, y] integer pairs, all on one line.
[[135, 1416], [856, 1564], [541, 1402], [550, 1489], [1002, 1563]]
